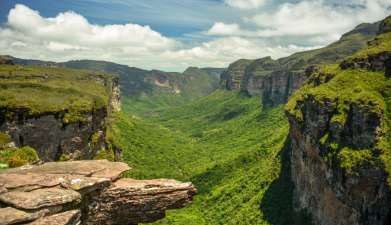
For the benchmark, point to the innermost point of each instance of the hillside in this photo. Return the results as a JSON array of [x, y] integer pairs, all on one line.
[[251, 182], [276, 80], [58, 112], [145, 89], [340, 129], [322, 158], [190, 143]]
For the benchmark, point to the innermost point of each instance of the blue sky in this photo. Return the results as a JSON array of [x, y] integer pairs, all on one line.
[[174, 34]]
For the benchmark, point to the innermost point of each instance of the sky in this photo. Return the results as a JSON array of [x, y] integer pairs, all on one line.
[[172, 35]]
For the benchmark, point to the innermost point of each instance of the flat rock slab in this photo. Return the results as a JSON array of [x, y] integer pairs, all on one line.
[[29, 182], [130, 201], [40, 198], [12, 216], [65, 218], [43, 194], [88, 168]]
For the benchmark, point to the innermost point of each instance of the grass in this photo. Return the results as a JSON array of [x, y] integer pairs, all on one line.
[[381, 43], [227, 145], [368, 91], [42, 89]]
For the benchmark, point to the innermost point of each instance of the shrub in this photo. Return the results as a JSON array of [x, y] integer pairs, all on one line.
[[15, 157]]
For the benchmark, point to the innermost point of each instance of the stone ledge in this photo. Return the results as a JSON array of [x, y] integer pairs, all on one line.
[[86, 192]]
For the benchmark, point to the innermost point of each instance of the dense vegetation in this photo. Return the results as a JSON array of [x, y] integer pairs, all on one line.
[[227, 145], [143, 89], [42, 89], [344, 89], [14, 157]]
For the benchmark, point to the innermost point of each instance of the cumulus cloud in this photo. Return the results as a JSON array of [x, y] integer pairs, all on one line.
[[70, 36], [278, 32], [328, 19], [245, 4], [220, 28]]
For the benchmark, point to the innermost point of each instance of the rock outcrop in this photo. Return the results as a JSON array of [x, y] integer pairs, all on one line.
[[231, 79], [340, 143], [87, 193], [51, 131], [277, 80], [51, 137]]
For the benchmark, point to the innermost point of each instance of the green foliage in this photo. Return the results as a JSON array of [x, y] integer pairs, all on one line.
[[4, 139], [143, 90], [351, 160], [105, 154], [15, 157], [44, 89], [95, 139], [381, 43], [347, 89], [64, 157], [227, 145]]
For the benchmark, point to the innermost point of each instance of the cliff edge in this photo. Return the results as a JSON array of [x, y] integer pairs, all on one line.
[[86, 193], [341, 140]]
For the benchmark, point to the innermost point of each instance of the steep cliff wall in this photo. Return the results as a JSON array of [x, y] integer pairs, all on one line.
[[341, 141], [231, 79], [58, 112], [86, 193], [276, 80]]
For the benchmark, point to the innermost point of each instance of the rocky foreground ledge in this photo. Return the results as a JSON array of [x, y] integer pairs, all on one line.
[[86, 193]]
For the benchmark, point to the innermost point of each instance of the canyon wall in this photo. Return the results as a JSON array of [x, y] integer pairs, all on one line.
[[277, 80], [52, 132], [339, 126]]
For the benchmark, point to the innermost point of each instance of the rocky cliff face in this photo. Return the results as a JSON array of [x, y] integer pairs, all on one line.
[[86, 193], [61, 129], [264, 77], [51, 137], [341, 142], [276, 80], [233, 76]]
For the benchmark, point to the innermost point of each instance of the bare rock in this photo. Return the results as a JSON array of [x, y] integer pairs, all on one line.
[[65, 218], [130, 201], [40, 198], [88, 168], [86, 192], [12, 216]]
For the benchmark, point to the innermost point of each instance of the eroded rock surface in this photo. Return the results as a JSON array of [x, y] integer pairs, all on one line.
[[85, 192]]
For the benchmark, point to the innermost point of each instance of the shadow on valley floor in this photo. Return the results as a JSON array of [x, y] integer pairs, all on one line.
[[277, 203]]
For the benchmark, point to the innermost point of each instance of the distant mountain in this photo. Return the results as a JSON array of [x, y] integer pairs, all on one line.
[[154, 88], [276, 80]]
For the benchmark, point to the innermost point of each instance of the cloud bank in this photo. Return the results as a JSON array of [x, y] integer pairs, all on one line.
[[279, 31]]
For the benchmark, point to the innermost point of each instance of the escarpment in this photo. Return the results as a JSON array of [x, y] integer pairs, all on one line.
[[277, 80], [61, 113], [341, 143], [86, 193]]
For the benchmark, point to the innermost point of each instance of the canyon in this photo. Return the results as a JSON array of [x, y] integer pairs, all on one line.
[[326, 161]]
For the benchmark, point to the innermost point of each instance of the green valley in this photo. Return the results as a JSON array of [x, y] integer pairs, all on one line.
[[228, 145]]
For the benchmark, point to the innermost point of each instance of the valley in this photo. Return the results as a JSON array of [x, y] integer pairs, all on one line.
[[300, 140]]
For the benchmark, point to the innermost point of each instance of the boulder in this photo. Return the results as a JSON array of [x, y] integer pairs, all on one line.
[[86, 192]]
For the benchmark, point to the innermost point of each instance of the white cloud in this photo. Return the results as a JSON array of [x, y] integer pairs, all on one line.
[[319, 17], [245, 4], [70, 36], [220, 28]]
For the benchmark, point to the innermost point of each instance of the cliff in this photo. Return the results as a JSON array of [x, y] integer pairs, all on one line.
[[341, 142], [86, 193], [276, 80], [61, 113]]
